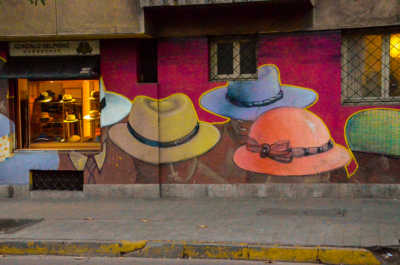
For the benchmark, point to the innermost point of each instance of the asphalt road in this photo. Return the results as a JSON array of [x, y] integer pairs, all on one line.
[[58, 260]]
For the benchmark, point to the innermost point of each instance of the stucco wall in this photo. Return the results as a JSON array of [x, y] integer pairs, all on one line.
[[55, 19], [333, 14]]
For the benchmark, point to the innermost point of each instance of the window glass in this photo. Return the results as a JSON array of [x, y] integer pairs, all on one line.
[[233, 59], [248, 61], [225, 58], [60, 113], [394, 87], [371, 66]]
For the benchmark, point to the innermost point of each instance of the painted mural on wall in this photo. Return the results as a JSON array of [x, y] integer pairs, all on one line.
[[373, 136], [277, 112], [246, 100], [15, 167], [286, 126], [165, 131], [290, 141], [98, 166], [239, 151]]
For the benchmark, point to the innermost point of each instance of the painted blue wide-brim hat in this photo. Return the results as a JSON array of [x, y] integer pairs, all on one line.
[[246, 100], [16, 169], [114, 107]]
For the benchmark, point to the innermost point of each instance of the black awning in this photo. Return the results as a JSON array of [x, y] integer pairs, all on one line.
[[71, 67]]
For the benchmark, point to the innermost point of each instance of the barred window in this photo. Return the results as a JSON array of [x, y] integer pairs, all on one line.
[[371, 68], [232, 59]]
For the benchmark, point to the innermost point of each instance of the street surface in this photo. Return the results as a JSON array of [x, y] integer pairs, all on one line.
[[57, 260]]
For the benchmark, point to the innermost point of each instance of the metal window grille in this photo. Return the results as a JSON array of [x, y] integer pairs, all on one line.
[[57, 180], [371, 68], [232, 59]]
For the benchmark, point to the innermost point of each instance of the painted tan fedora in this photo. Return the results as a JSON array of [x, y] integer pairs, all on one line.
[[164, 131], [290, 141]]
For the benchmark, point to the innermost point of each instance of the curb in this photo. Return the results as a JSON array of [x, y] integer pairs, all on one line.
[[255, 252], [65, 248], [199, 250]]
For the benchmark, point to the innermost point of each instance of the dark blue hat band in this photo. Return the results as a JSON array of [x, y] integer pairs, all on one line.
[[153, 143], [250, 104]]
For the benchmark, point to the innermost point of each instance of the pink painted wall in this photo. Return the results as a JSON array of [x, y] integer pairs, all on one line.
[[118, 68], [312, 60], [183, 67]]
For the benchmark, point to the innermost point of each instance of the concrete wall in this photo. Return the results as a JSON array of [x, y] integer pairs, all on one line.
[[20, 19], [269, 17], [231, 19], [126, 18], [334, 14]]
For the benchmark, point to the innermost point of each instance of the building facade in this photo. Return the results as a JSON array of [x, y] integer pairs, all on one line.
[[144, 93]]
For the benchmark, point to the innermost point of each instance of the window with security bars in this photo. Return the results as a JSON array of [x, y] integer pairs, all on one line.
[[232, 59], [371, 68]]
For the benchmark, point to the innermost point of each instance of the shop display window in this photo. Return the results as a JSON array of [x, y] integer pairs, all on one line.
[[58, 114]]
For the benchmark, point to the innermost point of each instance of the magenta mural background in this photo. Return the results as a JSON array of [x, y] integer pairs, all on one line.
[[119, 68], [309, 60]]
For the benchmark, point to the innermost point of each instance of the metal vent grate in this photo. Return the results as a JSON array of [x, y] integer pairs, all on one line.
[[57, 180]]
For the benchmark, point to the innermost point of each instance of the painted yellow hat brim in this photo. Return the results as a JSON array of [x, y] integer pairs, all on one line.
[[206, 138]]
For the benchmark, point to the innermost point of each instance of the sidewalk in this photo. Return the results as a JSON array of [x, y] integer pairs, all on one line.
[[312, 222]]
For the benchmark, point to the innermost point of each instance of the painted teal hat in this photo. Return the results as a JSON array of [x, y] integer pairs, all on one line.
[[246, 100], [374, 131], [15, 169], [114, 107]]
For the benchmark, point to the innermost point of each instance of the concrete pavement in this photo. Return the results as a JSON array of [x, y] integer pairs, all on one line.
[[311, 222], [356, 223]]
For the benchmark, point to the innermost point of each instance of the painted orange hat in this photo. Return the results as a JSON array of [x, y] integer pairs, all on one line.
[[290, 141]]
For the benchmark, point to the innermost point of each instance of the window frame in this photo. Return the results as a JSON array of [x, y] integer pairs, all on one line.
[[23, 131], [385, 98], [213, 58]]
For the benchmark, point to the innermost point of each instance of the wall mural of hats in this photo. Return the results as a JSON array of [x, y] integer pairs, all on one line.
[[246, 100], [15, 167], [164, 131], [375, 130], [290, 141], [114, 107]]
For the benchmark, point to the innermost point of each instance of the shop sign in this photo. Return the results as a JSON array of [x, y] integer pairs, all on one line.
[[54, 48]]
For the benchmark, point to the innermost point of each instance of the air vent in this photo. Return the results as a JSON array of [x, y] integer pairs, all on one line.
[[57, 180]]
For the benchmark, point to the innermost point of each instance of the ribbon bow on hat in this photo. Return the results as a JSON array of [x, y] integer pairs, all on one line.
[[282, 152], [279, 151]]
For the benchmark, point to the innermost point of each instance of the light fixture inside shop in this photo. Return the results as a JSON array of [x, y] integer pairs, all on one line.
[[395, 45]]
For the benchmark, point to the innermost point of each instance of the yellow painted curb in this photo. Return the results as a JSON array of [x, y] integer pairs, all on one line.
[[183, 249], [347, 256], [293, 254], [73, 249], [215, 252]]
